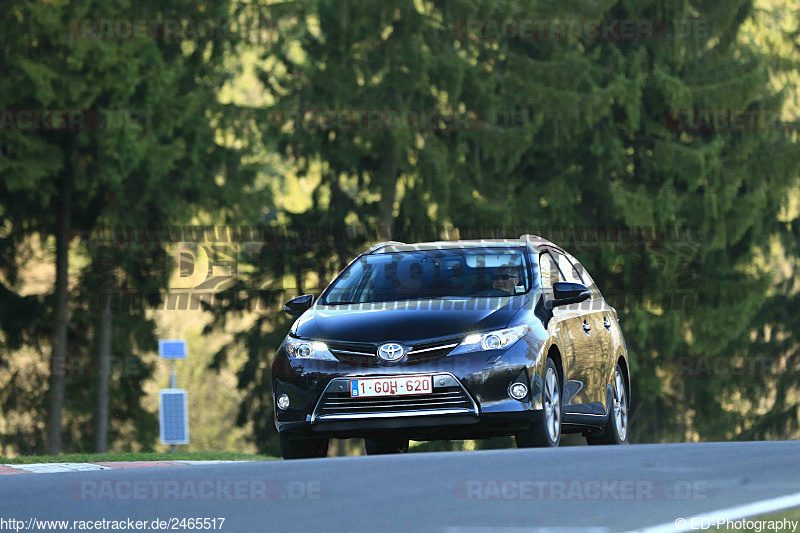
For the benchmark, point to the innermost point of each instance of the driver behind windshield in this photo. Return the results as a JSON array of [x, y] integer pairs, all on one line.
[[507, 279]]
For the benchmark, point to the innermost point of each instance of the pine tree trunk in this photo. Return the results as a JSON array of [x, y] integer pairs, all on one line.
[[59, 359], [388, 194], [103, 370]]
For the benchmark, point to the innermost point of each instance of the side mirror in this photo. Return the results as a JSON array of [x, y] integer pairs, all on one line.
[[565, 293], [298, 306]]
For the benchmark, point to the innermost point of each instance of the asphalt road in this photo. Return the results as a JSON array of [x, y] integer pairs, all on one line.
[[602, 488]]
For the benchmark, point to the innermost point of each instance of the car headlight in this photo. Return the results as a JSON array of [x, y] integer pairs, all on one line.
[[491, 340], [302, 349]]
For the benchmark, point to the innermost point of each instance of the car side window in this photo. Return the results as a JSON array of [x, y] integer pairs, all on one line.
[[535, 277], [550, 273], [570, 274], [589, 282]]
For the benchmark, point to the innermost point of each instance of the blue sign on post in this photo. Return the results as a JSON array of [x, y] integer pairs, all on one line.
[[173, 417], [172, 349], [173, 409]]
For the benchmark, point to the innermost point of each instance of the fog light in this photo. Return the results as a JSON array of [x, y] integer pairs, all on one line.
[[518, 391], [283, 401]]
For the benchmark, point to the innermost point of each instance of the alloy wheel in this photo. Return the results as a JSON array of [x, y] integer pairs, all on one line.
[[552, 404], [620, 405]]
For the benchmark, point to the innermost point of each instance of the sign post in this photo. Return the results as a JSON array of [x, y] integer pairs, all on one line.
[[173, 409]]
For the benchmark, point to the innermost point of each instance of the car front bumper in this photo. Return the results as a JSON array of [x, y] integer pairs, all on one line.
[[474, 385]]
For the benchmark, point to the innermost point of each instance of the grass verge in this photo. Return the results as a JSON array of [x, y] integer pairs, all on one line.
[[149, 456]]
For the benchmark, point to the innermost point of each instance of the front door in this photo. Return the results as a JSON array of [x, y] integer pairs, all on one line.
[[577, 332]]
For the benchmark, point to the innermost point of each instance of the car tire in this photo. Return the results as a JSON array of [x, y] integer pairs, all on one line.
[[385, 446], [616, 428], [303, 448], [546, 432]]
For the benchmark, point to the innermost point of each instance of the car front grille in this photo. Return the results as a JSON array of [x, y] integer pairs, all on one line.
[[354, 352], [365, 353], [343, 403], [452, 398], [432, 350]]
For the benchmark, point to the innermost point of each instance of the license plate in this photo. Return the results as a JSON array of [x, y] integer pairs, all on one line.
[[399, 386]]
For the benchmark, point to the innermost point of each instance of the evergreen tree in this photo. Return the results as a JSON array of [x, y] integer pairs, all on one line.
[[576, 131], [147, 155]]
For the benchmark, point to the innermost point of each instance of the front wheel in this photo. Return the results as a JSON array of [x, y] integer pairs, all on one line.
[[546, 431], [616, 429], [385, 446], [303, 448]]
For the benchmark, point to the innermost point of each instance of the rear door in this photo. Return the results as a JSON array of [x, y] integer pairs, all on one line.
[[602, 318]]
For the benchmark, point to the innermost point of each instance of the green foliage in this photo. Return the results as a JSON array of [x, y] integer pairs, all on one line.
[[153, 160], [572, 132], [597, 148]]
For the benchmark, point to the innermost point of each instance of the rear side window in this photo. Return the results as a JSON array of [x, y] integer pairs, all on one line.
[[587, 279], [567, 269]]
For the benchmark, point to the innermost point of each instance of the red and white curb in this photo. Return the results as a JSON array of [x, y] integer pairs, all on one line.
[[58, 468]]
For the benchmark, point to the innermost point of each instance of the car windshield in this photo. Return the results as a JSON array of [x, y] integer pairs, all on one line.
[[432, 274]]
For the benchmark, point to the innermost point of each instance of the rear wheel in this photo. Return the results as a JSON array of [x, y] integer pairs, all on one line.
[[303, 448], [385, 446], [547, 430], [616, 429]]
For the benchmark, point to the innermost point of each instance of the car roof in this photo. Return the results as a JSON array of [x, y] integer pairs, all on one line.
[[533, 241]]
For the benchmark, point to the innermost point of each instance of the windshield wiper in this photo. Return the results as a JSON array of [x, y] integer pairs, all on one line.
[[349, 302], [442, 297]]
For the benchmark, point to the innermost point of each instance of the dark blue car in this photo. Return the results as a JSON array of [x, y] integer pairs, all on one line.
[[452, 340]]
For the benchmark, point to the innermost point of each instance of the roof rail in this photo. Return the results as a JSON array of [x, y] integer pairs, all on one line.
[[376, 247], [538, 241]]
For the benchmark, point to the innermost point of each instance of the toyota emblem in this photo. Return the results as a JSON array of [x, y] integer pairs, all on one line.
[[391, 352]]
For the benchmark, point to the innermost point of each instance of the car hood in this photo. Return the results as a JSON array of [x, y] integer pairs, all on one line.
[[406, 321]]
